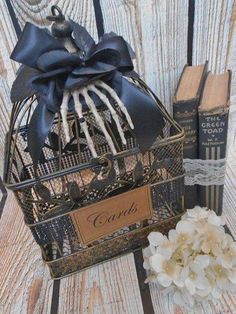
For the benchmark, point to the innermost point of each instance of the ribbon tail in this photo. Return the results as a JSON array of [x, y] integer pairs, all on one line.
[[22, 86], [39, 127]]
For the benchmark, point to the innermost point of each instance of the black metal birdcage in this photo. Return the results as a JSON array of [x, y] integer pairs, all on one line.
[[69, 178]]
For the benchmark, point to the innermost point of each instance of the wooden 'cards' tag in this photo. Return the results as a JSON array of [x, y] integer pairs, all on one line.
[[103, 218]]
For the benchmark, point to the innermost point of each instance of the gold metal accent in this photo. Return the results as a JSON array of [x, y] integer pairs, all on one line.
[[162, 168]]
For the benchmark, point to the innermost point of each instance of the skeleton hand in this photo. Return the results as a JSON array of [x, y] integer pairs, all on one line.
[[91, 105]]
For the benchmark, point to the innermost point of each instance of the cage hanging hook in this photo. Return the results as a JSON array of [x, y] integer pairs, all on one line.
[[56, 17]]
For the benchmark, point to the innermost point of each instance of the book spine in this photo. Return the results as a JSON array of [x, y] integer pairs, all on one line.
[[212, 145], [186, 115]]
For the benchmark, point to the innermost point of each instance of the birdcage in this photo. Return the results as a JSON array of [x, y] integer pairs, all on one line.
[[68, 178]]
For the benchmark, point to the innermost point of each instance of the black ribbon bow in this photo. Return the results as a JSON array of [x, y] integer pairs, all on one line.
[[49, 68]]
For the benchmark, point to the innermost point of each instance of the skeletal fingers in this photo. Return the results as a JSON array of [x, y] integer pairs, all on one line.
[[90, 103], [64, 110], [105, 100], [117, 99], [83, 123]]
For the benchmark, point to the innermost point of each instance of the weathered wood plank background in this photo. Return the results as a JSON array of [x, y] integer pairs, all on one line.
[[160, 33]]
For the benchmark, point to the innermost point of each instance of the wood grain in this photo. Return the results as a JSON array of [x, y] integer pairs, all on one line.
[[25, 284], [36, 11], [12, 227], [111, 287], [164, 43], [159, 39], [123, 18], [157, 30], [230, 186], [7, 72], [7, 42], [5, 111], [212, 32], [231, 56]]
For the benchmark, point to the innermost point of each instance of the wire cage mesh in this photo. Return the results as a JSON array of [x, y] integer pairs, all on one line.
[[65, 183]]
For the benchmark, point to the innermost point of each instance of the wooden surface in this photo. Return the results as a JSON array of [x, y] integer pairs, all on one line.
[[112, 287], [158, 31]]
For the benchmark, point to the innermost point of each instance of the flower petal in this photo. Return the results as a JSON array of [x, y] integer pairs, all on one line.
[[203, 293], [202, 261], [156, 238], [164, 279], [189, 299], [197, 213], [185, 227], [146, 264], [227, 240], [173, 236], [202, 283], [213, 219], [165, 251], [206, 248], [150, 278], [147, 252], [156, 261], [233, 248], [184, 273], [178, 298], [189, 284], [226, 260], [178, 282]]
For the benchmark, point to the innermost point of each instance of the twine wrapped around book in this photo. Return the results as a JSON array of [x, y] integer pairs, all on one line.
[[204, 172]]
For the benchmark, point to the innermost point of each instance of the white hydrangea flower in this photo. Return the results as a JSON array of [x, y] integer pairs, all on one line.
[[196, 214], [196, 262], [147, 253], [227, 257], [213, 219], [211, 239], [193, 275], [227, 241], [167, 271], [182, 234], [183, 298], [161, 244]]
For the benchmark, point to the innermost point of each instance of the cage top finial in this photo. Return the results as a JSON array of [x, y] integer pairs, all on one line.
[[60, 28], [59, 17]]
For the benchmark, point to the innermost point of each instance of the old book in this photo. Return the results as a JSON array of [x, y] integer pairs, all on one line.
[[213, 125], [185, 112]]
